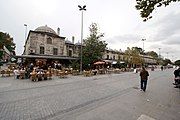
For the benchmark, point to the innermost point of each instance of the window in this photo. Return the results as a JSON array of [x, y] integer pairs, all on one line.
[[113, 57], [107, 57], [49, 40], [70, 53], [119, 58], [41, 50], [55, 51]]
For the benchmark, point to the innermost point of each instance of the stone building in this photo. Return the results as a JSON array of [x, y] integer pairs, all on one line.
[[46, 45], [113, 56]]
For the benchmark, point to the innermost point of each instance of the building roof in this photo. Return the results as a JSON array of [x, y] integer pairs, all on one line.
[[68, 42], [78, 43], [47, 33], [45, 29]]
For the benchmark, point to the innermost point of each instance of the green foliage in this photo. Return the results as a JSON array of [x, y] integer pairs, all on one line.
[[1, 54], [93, 46], [146, 7], [138, 49], [75, 65], [166, 62], [6, 40], [153, 54], [177, 62], [133, 56]]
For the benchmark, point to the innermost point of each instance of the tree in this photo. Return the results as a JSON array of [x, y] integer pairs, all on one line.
[[93, 46], [146, 7], [7, 41], [153, 54], [166, 62], [138, 49], [75, 65], [133, 57], [177, 62]]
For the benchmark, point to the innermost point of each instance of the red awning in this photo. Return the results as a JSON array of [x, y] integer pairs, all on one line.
[[99, 63]]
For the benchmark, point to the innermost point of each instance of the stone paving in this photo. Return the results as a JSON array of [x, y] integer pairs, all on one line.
[[59, 98], [23, 99]]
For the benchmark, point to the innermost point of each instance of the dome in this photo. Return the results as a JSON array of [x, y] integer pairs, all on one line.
[[69, 42], [45, 29], [78, 43]]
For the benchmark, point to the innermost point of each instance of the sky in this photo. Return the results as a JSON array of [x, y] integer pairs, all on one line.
[[117, 19]]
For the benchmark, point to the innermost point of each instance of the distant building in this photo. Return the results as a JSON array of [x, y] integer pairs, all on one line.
[[114, 56], [44, 44]]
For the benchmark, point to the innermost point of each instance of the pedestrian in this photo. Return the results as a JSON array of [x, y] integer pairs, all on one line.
[[177, 77], [135, 71], [161, 68], [144, 77], [16, 73]]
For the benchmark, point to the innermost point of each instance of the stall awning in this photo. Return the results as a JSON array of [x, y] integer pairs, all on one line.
[[47, 57]]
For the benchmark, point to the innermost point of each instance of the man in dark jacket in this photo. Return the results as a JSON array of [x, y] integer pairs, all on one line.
[[144, 77], [177, 78]]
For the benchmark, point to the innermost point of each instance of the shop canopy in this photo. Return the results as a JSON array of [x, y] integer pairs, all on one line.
[[99, 63]]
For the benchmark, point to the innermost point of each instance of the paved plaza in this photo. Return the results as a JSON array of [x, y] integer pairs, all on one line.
[[101, 97]]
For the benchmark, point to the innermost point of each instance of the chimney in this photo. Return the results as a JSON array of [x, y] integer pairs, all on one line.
[[73, 39], [58, 31]]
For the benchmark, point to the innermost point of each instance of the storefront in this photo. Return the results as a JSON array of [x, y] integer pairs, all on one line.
[[48, 60]]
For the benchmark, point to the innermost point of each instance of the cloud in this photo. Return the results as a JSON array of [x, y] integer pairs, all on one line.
[[167, 28], [124, 41], [127, 38], [173, 40]]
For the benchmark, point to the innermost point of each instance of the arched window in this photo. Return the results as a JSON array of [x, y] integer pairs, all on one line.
[[55, 51], [41, 50], [49, 40], [70, 53]]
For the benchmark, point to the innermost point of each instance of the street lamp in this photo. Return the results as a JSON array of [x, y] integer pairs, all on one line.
[[81, 8], [159, 56], [143, 44], [25, 30], [172, 58], [159, 53], [143, 49]]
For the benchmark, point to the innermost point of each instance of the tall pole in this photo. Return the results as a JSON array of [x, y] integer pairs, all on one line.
[[81, 8], [143, 49], [25, 30], [159, 53], [167, 55], [172, 58], [159, 56], [81, 40]]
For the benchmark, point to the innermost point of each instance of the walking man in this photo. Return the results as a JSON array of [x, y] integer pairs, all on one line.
[[144, 77]]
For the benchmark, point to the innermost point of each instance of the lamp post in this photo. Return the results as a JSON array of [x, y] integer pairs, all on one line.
[[143, 49], [81, 8], [172, 58], [159, 53], [25, 30]]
